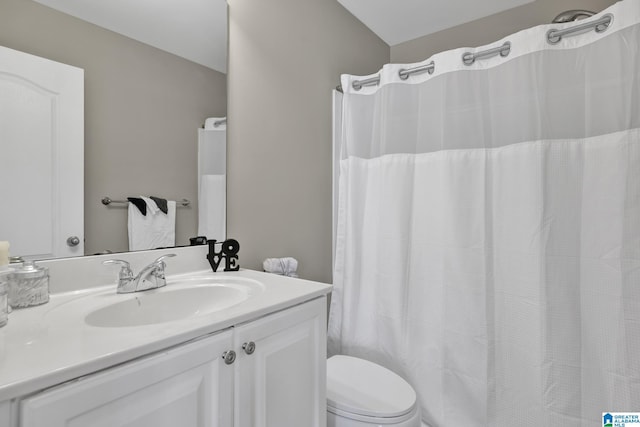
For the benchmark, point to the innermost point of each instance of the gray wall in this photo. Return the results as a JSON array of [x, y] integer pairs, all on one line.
[[285, 56], [142, 110], [487, 30]]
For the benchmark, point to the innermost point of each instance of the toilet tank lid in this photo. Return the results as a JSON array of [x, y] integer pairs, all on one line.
[[361, 387]]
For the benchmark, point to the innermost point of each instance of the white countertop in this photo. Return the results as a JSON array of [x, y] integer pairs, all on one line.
[[50, 344]]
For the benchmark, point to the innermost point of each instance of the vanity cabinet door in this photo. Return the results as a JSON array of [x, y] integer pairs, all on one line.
[[6, 418], [280, 373], [186, 386]]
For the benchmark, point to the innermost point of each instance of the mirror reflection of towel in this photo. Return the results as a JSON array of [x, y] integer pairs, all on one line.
[[155, 230], [161, 203], [139, 203]]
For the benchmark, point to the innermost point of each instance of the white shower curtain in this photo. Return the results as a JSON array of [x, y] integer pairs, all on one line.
[[488, 236]]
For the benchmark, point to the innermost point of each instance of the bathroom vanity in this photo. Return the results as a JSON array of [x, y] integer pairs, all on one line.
[[210, 349]]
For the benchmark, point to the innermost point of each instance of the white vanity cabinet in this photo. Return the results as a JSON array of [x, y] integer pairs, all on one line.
[[281, 369], [276, 380], [5, 414], [184, 386]]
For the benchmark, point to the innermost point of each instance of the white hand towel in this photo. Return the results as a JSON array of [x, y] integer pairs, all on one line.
[[282, 266], [212, 207], [155, 230]]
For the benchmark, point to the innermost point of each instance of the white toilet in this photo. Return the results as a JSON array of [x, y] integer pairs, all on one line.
[[363, 394]]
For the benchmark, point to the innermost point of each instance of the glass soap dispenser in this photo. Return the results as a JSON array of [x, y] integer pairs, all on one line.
[[28, 285]]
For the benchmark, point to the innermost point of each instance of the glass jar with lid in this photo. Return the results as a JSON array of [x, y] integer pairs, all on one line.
[[28, 285]]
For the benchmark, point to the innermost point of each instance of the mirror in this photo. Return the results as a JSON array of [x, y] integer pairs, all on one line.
[[143, 108]]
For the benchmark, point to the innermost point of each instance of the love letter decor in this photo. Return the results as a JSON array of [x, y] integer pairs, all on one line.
[[228, 252]]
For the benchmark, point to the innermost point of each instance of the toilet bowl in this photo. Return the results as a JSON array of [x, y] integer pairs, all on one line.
[[363, 394]]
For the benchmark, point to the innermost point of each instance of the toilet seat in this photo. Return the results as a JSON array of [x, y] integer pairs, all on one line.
[[363, 391], [373, 420]]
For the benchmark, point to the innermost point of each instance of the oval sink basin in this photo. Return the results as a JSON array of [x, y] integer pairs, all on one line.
[[166, 305]]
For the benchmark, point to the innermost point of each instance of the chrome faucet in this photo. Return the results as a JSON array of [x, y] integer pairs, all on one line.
[[150, 277]]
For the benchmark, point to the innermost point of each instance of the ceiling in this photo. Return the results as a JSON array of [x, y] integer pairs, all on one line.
[[197, 29], [397, 21], [192, 29]]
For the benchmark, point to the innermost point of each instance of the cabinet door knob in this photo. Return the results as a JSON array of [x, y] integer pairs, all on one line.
[[229, 357], [73, 241], [249, 347]]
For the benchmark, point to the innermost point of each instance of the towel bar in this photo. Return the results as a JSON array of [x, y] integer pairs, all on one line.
[[107, 201]]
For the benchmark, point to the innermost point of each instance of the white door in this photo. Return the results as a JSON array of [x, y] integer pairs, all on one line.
[[188, 386], [41, 155], [281, 371]]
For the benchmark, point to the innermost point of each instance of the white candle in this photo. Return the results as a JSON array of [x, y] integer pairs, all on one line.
[[4, 253]]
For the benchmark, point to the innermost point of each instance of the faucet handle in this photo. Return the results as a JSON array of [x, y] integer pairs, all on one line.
[[162, 258], [125, 271], [155, 270]]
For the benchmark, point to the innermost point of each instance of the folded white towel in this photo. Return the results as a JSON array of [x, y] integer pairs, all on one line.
[[155, 230], [282, 266]]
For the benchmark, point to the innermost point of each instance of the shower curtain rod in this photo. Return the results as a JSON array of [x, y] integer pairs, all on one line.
[[468, 58], [572, 15]]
